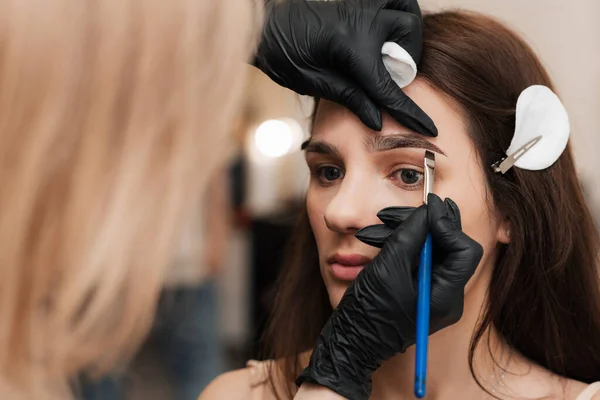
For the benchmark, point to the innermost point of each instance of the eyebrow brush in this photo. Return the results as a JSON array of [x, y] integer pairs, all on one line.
[[424, 290]]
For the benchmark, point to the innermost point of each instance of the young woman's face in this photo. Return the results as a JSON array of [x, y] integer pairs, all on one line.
[[355, 172]]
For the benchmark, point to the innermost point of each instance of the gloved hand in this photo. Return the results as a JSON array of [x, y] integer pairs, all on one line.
[[332, 50], [376, 318]]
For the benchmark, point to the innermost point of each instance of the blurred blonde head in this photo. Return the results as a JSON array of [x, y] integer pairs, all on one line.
[[112, 115]]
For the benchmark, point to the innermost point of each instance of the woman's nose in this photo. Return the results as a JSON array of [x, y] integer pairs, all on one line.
[[352, 208]]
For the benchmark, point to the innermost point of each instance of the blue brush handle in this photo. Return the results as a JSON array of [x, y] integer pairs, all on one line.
[[423, 305]]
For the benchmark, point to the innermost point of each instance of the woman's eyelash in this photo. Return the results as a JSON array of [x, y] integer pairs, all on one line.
[[408, 178], [326, 174], [329, 173]]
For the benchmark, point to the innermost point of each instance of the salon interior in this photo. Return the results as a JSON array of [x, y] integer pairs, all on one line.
[[258, 194]]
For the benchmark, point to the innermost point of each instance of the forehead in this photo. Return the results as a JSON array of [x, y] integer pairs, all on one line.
[[335, 123]]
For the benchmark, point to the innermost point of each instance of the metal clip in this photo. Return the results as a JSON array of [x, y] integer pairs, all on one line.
[[507, 162]]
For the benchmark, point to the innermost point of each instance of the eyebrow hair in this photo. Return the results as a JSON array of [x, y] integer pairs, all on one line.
[[400, 140], [376, 144], [311, 146]]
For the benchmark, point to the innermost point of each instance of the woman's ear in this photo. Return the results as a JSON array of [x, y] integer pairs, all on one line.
[[503, 233]]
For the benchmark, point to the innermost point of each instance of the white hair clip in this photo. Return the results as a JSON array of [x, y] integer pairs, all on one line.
[[541, 131]]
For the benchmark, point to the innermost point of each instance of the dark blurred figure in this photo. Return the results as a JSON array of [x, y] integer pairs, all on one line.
[[270, 236]]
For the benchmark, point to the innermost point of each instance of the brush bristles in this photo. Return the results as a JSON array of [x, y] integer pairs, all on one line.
[[429, 159]]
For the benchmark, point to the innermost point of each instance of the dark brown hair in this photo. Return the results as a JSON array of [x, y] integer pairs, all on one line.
[[544, 295]]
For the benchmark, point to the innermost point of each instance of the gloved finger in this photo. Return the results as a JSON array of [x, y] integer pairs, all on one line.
[[410, 236], [377, 235], [374, 235], [461, 254], [411, 6], [393, 216], [454, 212], [377, 83], [444, 222], [405, 29], [341, 91]]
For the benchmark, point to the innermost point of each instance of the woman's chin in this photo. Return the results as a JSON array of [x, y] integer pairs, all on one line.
[[336, 292]]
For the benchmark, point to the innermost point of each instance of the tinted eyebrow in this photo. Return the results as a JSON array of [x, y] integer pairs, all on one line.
[[375, 144], [390, 142], [316, 146]]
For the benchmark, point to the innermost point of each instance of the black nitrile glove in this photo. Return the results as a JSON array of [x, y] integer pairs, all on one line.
[[376, 318], [332, 50]]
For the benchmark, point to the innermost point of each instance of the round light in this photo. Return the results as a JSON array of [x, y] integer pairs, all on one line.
[[273, 138]]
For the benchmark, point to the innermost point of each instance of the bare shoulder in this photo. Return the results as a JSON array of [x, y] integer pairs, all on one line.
[[529, 380], [250, 383], [583, 391], [234, 385], [570, 389]]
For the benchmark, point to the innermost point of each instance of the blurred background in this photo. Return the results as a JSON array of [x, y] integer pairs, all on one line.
[[251, 204]]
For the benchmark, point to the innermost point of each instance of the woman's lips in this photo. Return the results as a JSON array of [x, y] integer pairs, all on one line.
[[345, 273], [346, 267]]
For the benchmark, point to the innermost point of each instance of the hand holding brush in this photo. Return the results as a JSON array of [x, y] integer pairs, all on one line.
[[376, 318]]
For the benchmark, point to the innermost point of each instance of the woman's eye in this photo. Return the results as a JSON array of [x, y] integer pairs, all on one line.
[[409, 177], [329, 174]]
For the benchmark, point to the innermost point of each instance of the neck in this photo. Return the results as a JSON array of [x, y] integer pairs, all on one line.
[[448, 371]]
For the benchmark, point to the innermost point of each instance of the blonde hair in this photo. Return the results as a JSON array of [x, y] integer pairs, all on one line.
[[112, 116]]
